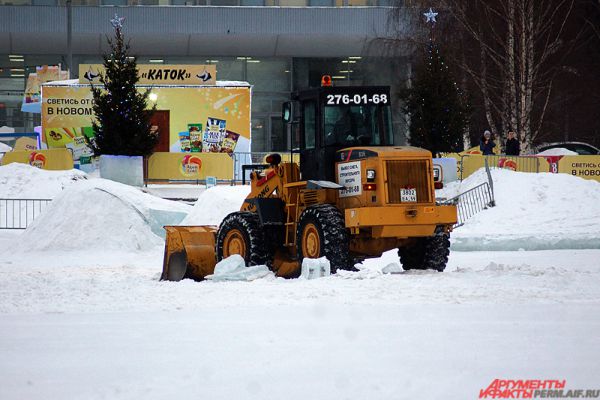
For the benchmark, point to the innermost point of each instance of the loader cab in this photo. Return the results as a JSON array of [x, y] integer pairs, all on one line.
[[333, 118]]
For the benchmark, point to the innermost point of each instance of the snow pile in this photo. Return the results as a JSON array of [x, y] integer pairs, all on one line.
[[4, 148], [102, 216], [533, 212], [371, 268], [216, 203], [22, 181], [558, 151], [233, 268]]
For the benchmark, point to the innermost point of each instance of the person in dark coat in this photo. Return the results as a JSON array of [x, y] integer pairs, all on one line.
[[513, 147], [486, 144]]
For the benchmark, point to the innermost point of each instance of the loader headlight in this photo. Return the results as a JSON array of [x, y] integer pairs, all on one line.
[[370, 175]]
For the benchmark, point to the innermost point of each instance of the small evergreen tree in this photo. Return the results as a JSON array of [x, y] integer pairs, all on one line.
[[438, 109], [122, 125]]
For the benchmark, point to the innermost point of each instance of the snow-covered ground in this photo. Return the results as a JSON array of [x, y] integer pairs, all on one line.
[[84, 316]]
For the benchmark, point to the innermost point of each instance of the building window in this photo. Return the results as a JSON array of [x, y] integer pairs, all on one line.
[[224, 2], [228, 69], [309, 111], [271, 75]]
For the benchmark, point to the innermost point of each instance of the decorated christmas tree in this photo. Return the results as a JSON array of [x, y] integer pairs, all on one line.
[[122, 125], [437, 107]]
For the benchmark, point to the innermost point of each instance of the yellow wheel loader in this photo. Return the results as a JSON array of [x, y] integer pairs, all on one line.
[[354, 195]]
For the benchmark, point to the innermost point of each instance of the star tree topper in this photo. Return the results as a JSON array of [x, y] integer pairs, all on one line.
[[117, 22], [430, 15]]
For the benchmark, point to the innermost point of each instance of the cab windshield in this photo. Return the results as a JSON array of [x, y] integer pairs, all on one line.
[[358, 125]]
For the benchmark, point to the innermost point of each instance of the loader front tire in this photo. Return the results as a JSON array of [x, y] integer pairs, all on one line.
[[322, 232], [427, 253], [241, 233]]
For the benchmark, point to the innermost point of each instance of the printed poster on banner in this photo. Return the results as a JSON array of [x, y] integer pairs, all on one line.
[[213, 135], [229, 142], [79, 148], [195, 131], [184, 141], [67, 113], [349, 176]]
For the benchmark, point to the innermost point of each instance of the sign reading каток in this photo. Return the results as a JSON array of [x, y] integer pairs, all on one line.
[[157, 74]]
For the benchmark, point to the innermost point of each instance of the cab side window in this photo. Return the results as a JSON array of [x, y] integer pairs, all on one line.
[[309, 110]]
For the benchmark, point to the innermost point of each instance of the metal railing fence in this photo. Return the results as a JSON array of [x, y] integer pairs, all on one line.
[[20, 213], [472, 202], [253, 158]]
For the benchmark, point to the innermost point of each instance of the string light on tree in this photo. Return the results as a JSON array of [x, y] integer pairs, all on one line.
[[437, 108], [122, 123]]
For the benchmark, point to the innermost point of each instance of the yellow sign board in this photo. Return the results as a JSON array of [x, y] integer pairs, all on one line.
[[66, 114], [587, 167], [25, 143], [158, 74], [208, 119], [189, 166], [57, 159]]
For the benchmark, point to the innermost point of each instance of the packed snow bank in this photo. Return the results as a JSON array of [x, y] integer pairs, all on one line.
[[22, 181], [102, 216], [558, 151], [215, 203], [533, 212]]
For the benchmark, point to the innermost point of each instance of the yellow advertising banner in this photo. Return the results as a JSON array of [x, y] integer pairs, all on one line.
[[57, 159], [26, 143], [187, 119], [158, 74], [587, 167], [473, 162], [66, 113], [470, 164], [189, 166]]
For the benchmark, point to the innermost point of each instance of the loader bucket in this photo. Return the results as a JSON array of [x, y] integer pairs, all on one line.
[[189, 252]]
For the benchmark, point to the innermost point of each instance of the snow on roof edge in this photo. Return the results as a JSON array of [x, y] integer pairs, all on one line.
[[75, 82]]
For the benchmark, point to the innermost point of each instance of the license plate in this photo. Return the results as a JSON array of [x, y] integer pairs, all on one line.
[[408, 195]]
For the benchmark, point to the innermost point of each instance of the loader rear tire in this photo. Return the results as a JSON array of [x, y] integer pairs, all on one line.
[[241, 233], [322, 232], [427, 253]]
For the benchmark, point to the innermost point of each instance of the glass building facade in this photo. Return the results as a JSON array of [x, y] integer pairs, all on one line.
[[273, 77], [229, 3]]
